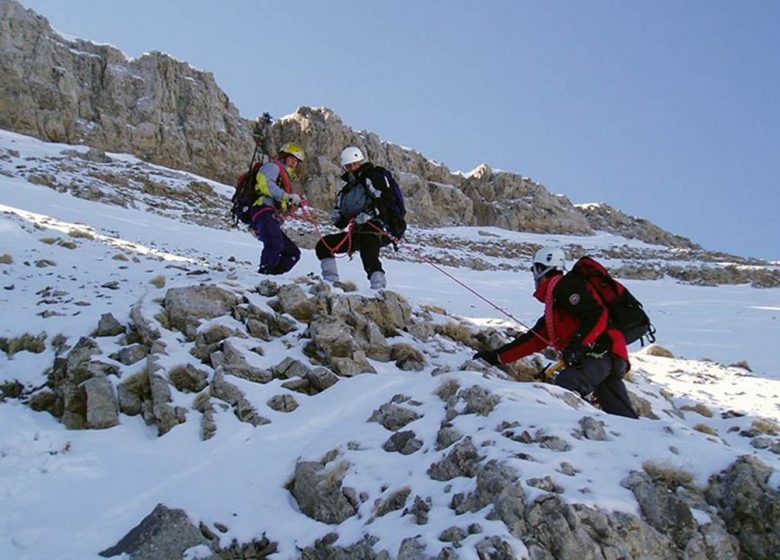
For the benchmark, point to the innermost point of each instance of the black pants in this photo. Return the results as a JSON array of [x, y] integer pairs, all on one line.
[[367, 243], [604, 377]]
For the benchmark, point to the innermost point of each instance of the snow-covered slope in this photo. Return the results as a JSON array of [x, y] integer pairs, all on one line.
[[66, 261]]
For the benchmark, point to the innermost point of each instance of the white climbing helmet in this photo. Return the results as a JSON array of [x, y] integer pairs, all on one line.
[[351, 154], [547, 259]]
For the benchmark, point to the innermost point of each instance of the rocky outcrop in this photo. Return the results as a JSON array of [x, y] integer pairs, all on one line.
[[216, 368], [78, 92], [435, 195], [166, 112], [603, 217], [164, 533]]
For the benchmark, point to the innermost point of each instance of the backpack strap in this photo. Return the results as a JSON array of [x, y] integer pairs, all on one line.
[[286, 183]]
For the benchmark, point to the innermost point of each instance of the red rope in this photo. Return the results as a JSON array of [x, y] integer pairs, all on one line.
[[309, 217], [424, 259]]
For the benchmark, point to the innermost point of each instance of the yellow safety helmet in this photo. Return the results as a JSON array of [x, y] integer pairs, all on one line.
[[293, 149]]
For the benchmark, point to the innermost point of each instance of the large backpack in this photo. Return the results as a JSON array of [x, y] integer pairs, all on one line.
[[245, 195], [625, 311], [397, 209]]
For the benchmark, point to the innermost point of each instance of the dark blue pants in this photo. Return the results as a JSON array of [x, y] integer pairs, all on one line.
[[604, 377], [279, 252]]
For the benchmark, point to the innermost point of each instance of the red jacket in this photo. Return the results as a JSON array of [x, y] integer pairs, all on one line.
[[573, 314]]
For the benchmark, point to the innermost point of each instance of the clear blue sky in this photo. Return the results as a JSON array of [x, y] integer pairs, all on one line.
[[666, 109]]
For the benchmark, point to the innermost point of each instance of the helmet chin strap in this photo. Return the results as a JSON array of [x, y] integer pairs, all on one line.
[[540, 276]]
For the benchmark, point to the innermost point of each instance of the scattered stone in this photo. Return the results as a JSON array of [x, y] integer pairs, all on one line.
[[393, 417], [463, 460], [164, 533], [188, 378], [446, 436], [394, 502], [404, 443], [109, 326], [478, 400], [283, 403], [130, 355], [420, 510], [593, 429], [659, 352], [317, 487]]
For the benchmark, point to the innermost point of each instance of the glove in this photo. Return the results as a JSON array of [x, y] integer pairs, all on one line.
[[490, 356], [573, 354], [335, 216], [363, 217], [293, 199]]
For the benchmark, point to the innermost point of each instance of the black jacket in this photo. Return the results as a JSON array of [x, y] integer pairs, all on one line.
[[366, 190]]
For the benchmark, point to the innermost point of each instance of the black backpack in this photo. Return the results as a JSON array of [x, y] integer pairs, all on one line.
[[245, 195], [396, 218], [625, 311]]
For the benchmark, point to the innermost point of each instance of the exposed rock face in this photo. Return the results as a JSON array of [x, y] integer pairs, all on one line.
[[517, 203], [77, 92], [435, 196], [166, 112], [605, 218], [749, 506]]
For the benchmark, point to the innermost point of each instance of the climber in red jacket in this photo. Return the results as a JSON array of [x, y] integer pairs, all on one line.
[[576, 324]]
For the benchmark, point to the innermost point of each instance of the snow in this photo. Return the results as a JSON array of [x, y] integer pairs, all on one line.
[[70, 494]]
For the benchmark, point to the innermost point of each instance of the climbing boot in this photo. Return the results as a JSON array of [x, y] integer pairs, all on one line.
[[330, 272], [378, 281]]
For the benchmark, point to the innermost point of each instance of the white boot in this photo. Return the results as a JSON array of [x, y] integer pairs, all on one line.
[[378, 281], [330, 272]]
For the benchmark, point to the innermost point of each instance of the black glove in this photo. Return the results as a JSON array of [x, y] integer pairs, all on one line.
[[573, 354], [490, 356]]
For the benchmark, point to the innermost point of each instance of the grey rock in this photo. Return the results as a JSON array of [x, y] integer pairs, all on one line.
[[446, 436], [749, 506], [186, 307], [242, 408], [492, 478], [478, 400], [419, 510], [289, 368], [412, 549], [404, 443], [188, 379], [463, 460], [361, 550], [393, 417], [283, 403], [593, 429], [79, 92], [162, 535], [130, 355], [394, 502], [494, 548], [101, 404], [234, 362], [109, 326], [293, 300], [317, 487], [321, 378], [453, 535], [161, 413]]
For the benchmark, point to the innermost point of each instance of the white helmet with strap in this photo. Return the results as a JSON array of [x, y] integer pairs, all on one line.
[[547, 259], [351, 154]]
